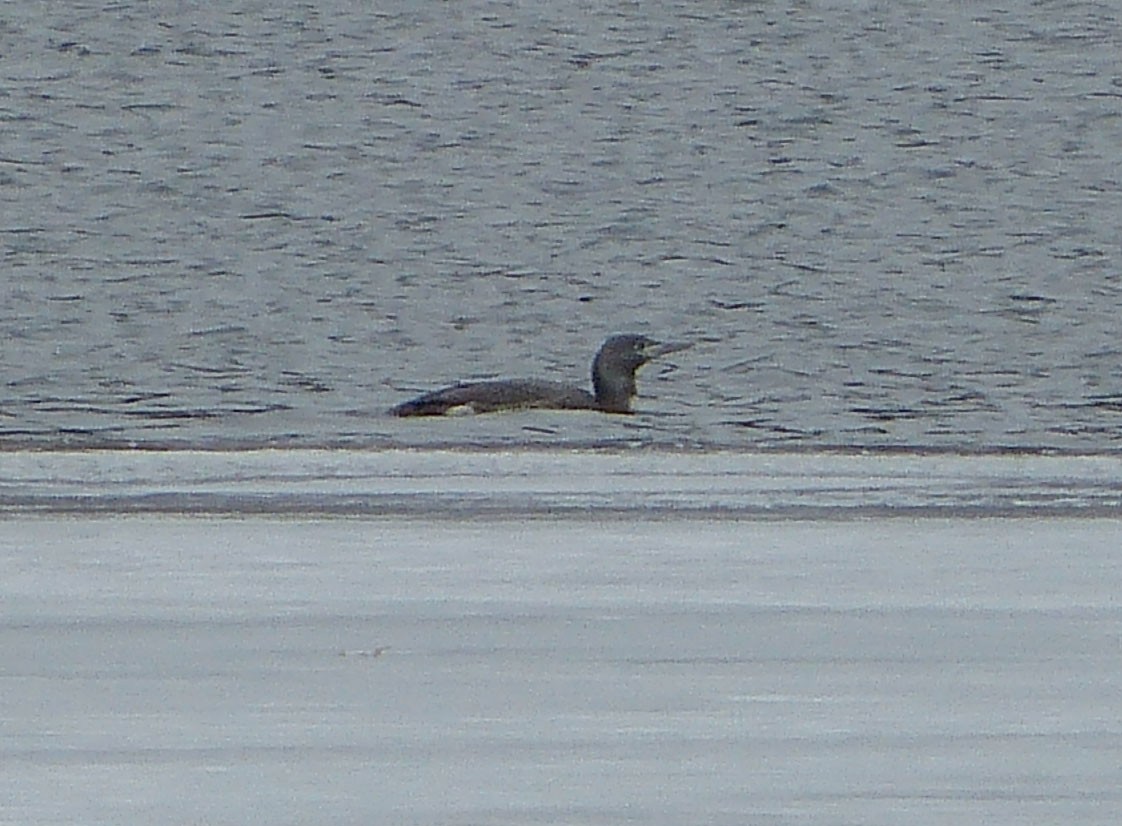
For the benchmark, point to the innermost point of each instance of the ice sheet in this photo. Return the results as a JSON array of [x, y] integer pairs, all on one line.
[[160, 669], [469, 483]]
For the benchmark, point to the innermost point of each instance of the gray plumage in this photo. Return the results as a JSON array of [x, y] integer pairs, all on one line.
[[613, 383]]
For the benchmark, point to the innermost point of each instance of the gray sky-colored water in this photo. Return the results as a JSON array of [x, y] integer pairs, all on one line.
[[882, 223]]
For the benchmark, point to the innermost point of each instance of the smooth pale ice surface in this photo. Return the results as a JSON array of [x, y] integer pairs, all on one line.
[[459, 484], [591, 637], [160, 669]]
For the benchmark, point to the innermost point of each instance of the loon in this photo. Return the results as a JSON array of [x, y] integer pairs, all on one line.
[[613, 382]]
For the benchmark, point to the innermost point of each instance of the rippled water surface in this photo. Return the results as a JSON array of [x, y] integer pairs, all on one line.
[[883, 224]]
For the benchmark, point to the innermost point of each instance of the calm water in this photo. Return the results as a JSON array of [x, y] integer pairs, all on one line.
[[884, 224]]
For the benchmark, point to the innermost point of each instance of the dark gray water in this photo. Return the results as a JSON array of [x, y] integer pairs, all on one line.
[[884, 224]]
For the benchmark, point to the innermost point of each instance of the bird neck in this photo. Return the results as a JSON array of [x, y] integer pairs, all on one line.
[[614, 392]]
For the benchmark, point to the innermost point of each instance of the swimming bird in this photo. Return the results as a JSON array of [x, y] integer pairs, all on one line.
[[613, 384]]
